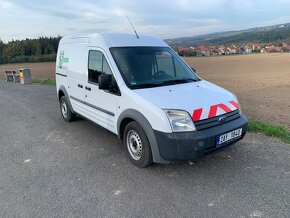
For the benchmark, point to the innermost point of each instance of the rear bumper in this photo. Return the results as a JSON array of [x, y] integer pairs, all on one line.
[[192, 145]]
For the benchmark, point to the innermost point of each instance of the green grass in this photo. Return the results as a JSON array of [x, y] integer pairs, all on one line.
[[269, 130], [44, 82]]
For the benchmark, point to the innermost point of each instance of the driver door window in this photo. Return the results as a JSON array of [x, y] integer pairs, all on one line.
[[98, 65]]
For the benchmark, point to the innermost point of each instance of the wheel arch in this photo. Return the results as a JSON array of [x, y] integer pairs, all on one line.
[[130, 115], [62, 92]]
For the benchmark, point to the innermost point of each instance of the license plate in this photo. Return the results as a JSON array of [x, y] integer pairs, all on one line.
[[229, 136]]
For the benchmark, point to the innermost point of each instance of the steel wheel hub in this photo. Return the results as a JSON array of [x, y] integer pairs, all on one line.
[[134, 144], [64, 109]]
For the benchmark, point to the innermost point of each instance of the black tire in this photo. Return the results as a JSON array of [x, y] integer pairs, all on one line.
[[65, 110], [134, 133]]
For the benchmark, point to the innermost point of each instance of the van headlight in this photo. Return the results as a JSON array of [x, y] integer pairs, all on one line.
[[236, 99], [180, 121]]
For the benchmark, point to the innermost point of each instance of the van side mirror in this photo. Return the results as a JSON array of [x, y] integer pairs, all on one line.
[[105, 81]]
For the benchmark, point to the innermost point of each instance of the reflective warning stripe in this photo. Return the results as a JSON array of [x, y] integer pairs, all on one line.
[[197, 114], [235, 104], [214, 110]]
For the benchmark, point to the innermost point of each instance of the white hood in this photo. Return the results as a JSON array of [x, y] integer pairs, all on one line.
[[201, 99]]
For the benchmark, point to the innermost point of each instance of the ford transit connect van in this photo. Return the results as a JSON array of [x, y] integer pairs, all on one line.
[[141, 90]]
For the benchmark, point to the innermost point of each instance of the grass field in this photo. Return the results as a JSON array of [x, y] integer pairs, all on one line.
[[261, 81]]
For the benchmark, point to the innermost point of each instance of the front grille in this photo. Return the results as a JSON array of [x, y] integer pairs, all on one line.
[[211, 122]]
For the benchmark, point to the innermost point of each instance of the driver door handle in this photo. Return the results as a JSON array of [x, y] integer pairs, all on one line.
[[88, 88], [80, 86]]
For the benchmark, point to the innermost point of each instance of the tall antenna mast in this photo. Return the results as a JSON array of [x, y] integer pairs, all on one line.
[[132, 26]]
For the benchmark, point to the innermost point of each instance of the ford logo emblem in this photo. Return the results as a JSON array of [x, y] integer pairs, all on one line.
[[222, 118]]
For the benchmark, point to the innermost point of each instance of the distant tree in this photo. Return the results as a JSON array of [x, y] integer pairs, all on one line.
[[1, 47], [186, 52], [37, 48], [29, 50]]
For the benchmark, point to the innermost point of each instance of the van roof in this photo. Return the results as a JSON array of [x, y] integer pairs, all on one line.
[[115, 39]]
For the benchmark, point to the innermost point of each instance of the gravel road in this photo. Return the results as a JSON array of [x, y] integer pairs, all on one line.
[[50, 168]]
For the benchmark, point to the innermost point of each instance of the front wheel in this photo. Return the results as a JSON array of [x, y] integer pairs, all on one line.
[[137, 144], [66, 112]]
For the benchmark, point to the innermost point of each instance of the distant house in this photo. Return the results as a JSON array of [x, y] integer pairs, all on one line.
[[256, 48], [227, 51], [263, 50], [238, 51], [203, 53], [233, 49], [202, 50], [208, 50], [215, 52], [248, 49], [284, 49], [220, 51], [274, 49], [223, 51], [242, 50]]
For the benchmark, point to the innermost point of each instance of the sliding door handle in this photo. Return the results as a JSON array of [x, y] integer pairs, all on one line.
[[88, 88], [80, 86]]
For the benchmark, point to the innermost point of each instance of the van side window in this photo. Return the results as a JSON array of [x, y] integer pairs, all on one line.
[[97, 65]]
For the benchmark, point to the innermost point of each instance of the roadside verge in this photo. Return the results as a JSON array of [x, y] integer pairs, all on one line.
[[269, 130]]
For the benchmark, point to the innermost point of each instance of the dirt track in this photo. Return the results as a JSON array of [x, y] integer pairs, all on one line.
[[261, 82]]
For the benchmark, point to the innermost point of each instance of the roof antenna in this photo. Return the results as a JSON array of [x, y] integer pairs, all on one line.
[[132, 26]]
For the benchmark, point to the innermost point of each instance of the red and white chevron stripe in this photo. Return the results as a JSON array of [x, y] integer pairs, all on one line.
[[214, 110]]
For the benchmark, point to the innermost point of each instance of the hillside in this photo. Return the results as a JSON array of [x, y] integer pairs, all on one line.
[[271, 34]]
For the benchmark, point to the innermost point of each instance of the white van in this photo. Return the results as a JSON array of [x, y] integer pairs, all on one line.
[[141, 90]]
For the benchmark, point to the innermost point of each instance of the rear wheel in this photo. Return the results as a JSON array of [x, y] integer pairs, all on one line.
[[66, 112], [137, 145]]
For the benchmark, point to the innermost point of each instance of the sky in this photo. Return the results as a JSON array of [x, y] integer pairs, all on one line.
[[20, 19]]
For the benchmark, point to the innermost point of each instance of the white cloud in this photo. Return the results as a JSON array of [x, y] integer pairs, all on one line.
[[164, 18], [5, 5]]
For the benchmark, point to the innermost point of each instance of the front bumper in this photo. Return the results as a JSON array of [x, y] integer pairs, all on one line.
[[192, 145]]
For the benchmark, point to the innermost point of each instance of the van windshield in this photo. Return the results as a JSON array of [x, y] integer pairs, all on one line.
[[145, 67]]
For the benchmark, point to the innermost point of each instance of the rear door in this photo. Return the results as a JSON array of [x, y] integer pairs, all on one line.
[[101, 104], [77, 60]]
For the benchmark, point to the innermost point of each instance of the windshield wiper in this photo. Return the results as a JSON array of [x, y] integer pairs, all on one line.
[[146, 85], [178, 81], [168, 82]]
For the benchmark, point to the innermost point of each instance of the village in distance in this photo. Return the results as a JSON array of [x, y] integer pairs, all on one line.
[[214, 50]]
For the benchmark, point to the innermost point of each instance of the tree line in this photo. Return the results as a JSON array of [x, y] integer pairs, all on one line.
[[42, 49], [274, 36]]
